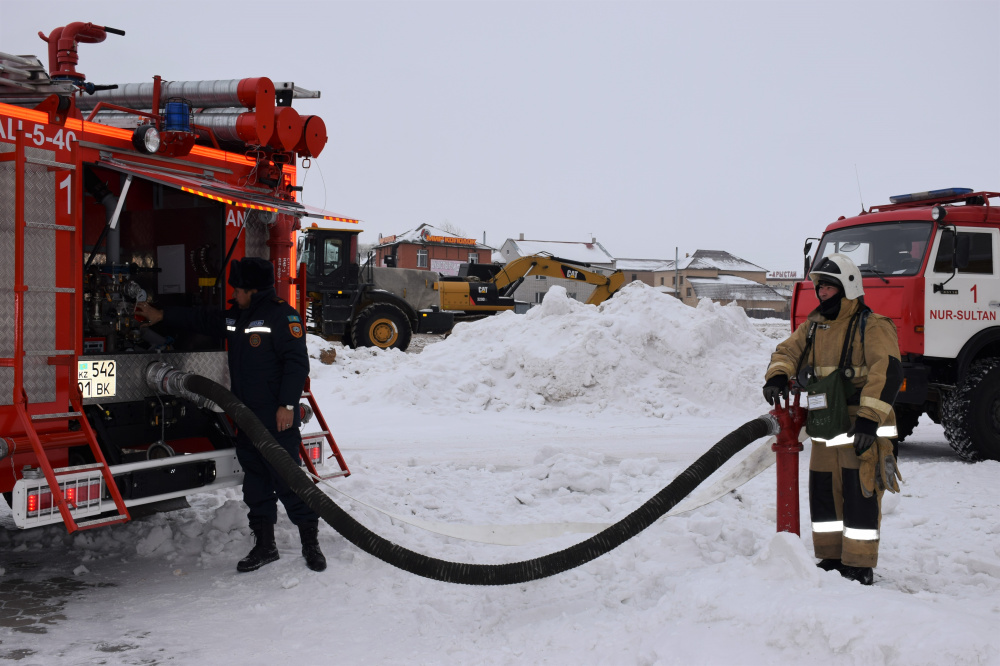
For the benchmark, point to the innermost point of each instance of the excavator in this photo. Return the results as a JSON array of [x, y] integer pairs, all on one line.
[[481, 290]]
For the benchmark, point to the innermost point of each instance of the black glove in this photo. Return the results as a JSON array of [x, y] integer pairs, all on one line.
[[774, 387], [864, 434]]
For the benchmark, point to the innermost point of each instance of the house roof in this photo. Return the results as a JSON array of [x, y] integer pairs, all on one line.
[[643, 265], [724, 261], [420, 236], [588, 253], [732, 288]]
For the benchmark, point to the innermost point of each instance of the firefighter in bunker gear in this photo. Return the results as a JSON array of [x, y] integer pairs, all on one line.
[[268, 366], [844, 497]]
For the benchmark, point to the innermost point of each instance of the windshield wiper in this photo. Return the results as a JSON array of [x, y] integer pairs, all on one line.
[[878, 273]]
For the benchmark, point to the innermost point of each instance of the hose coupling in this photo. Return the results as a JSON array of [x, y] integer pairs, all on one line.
[[168, 380], [305, 413], [773, 426]]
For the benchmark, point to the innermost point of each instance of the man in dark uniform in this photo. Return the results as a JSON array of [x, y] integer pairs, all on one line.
[[268, 366]]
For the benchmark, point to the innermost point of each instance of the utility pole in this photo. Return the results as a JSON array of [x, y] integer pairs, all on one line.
[[677, 272]]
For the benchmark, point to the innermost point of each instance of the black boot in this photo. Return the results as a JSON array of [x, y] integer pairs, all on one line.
[[264, 551], [863, 575], [830, 565], [309, 534]]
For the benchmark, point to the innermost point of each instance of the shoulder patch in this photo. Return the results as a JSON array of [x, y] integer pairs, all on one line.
[[230, 322], [294, 317], [257, 322], [296, 329]]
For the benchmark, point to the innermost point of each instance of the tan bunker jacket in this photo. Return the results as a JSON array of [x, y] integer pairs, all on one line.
[[877, 384]]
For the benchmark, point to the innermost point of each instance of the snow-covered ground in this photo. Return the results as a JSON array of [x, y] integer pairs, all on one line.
[[570, 413]]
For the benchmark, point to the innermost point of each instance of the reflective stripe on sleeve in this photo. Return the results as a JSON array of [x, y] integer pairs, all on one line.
[[230, 328], [887, 431], [879, 406], [860, 535], [257, 329], [829, 526]]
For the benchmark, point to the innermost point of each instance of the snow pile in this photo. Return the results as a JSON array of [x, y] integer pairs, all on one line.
[[641, 352]]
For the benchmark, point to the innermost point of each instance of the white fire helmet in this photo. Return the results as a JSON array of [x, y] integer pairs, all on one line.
[[841, 269]]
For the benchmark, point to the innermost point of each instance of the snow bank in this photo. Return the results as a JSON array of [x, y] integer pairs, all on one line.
[[641, 352]]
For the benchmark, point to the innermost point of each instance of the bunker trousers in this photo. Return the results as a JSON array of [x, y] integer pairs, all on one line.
[[263, 487], [845, 523]]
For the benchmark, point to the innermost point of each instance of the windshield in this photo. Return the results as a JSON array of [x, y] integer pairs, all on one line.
[[893, 248], [305, 253]]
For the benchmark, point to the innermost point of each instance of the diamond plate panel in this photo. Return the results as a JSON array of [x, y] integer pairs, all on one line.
[[6, 274], [39, 335], [256, 235], [6, 386], [131, 369], [39, 271], [6, 265], [39, 244], [6, 323]]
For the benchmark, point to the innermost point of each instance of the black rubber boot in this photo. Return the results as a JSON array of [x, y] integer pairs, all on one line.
[[309, 534], [830, 565], [863, 575], [264, 551]]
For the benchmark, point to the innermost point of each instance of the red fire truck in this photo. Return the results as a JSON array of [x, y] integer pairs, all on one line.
[[109, 195], [931, 261]]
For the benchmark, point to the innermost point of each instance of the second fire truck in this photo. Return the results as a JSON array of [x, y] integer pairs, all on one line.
[[931, 262]]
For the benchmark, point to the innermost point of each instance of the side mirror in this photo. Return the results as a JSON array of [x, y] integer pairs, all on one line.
[[807, 260], [962, 249]]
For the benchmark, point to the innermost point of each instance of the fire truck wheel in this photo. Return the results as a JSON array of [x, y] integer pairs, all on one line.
[[971, 414], [906, 420], [381, 325]]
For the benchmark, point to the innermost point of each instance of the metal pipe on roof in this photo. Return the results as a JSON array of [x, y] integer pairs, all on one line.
[[248, 93]]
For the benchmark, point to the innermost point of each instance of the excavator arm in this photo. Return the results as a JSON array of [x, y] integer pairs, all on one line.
[[496, 294]]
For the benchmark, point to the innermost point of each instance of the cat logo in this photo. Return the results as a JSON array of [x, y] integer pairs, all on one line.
[[484, 290]]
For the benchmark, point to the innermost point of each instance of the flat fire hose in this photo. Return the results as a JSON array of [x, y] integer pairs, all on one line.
[[758, 460], [165, 379]]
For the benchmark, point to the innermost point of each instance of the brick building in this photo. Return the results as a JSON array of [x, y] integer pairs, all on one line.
[[431, 249]]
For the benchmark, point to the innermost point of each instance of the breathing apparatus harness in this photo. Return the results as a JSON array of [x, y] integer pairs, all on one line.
[[827, 397]]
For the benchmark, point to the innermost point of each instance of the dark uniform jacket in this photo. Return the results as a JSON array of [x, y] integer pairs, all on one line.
[[268, 361], [877, 369]]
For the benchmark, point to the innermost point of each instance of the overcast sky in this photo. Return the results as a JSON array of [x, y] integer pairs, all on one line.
[[735, 126]]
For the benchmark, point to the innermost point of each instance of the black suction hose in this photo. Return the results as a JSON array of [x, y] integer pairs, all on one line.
[[475, 574]]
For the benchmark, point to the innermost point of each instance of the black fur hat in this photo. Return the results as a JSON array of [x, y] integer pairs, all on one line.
[[251, 273]]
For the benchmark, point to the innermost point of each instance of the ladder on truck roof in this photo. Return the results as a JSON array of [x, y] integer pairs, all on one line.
[[75, 490]]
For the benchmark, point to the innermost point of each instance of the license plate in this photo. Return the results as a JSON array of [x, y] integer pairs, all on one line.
[[96, 379]]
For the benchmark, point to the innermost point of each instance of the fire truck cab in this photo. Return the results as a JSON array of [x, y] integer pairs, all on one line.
[[931, 262], [111, 195]]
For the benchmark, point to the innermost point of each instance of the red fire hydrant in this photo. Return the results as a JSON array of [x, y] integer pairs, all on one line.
[[791, 417]]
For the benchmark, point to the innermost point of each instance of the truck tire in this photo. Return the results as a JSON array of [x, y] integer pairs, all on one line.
[[906, 420], [971, 413], [381, 325]]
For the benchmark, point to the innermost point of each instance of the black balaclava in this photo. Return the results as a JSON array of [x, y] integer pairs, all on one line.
[[830, 308]]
